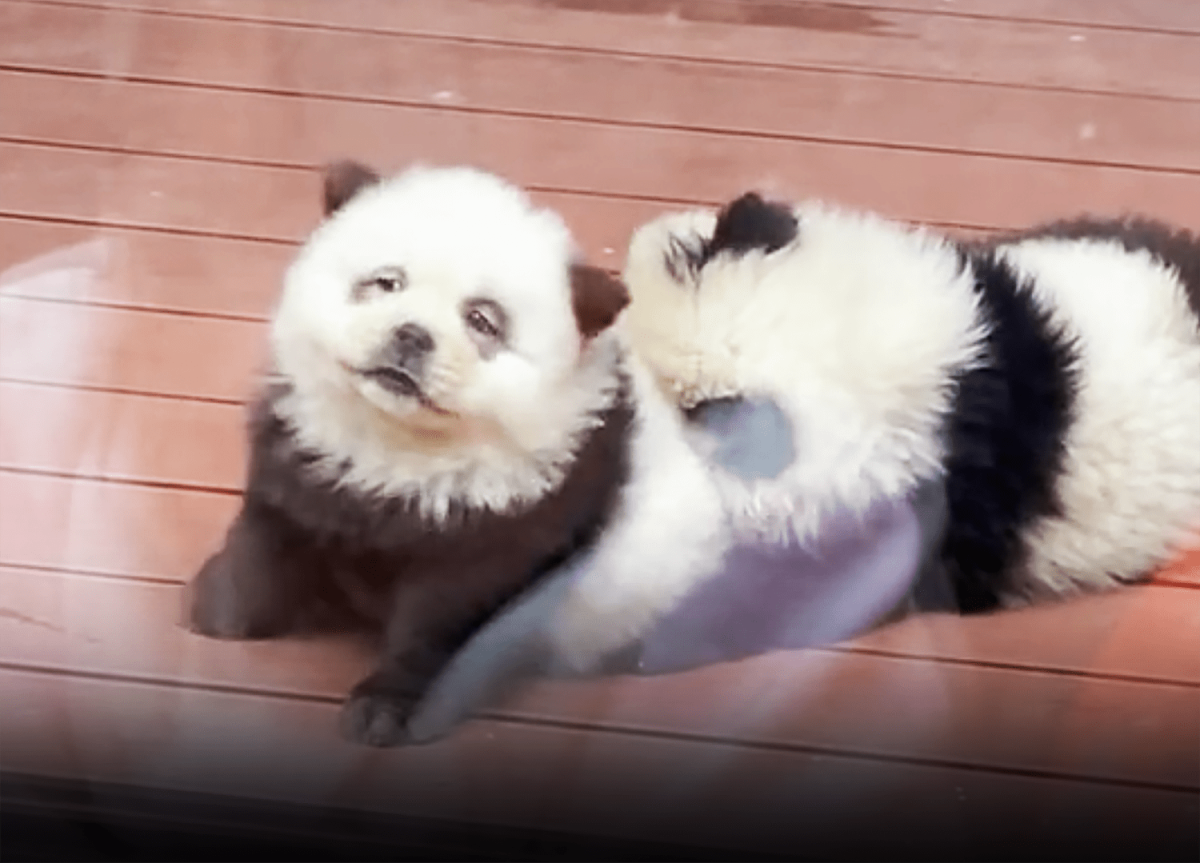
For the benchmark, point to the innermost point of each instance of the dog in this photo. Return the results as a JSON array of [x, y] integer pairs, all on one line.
[[447, 418], [1049, 378]]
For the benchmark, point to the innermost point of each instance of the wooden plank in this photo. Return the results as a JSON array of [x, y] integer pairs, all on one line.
[[1185, 569], [147, 352], [1167, 15], [272, 204], [647, 91], [874, 706], [140, 268], [55, 620], [572, 169], [71, 523], [839, 37], [1147, 632], [563, 779], [121, 436]]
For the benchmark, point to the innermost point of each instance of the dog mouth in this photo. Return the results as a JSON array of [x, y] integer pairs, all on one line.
[[395, 380], [403, 383]]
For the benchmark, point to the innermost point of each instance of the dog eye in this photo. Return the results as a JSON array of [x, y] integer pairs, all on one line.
[[479, 321], [389, 280], [485, 319]]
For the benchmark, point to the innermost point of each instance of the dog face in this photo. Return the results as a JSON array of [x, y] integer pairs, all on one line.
[[448, 302]]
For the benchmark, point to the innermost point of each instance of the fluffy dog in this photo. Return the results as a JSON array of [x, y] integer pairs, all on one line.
[[448, 417], [1050, 378], [877, 410]]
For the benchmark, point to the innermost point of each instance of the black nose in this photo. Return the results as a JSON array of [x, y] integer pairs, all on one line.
[[411, 341]]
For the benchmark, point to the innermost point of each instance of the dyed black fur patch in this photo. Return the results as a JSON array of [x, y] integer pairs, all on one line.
[[1006, 435], [744, 225], [1175, 247], [307, 551], [750, 223]]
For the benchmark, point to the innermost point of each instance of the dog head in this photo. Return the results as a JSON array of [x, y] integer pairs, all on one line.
[[690, 274], [451, 305]]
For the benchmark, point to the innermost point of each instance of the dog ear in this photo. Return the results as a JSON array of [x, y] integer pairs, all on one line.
[[343, 180], [597, 299]]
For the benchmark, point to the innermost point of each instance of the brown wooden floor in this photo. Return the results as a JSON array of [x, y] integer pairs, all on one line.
[[156, 171]]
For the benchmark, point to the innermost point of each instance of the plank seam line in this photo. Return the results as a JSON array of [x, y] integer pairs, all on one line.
[[998, 665], [125, 391], [208, 234], [130, 482], [1178, 583], [113, 305], [619, 729], [48, 569], [960, 14], [549, 117], [148, 227]]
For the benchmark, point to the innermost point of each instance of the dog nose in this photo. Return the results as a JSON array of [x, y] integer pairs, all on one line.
[[412, 341]]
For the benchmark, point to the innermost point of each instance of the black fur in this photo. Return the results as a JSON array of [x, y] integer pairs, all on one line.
[[1174, 247], [1005, 435], [746, 224], [307, 553], [1010, 418], [750, 223]]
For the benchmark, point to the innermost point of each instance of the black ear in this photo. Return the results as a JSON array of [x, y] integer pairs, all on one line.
[[343, 180], [597, 298], [749, 223]]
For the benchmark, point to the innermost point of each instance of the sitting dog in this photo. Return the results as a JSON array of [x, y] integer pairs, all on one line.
[[448, 417]]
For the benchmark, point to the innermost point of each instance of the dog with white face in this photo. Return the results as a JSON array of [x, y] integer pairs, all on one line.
[[446, 420]]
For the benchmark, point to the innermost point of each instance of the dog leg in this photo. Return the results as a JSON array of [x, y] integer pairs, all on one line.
[[261, 584], [431, 619]]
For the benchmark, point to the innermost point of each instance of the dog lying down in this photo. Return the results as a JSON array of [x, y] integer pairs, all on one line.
[[895, 422], [804, 423]]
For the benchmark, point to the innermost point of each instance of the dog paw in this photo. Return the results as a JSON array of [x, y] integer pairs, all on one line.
[[377, 716], [217, 606]]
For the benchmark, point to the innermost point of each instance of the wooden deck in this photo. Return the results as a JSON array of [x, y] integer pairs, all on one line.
[[156, 171]]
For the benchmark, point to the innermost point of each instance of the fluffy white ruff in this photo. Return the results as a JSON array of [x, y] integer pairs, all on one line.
[[516, 417], [1130, 488], [854, 331]]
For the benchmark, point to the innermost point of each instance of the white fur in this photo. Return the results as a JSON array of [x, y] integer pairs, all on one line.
[[1131, 485], [514, 419], [857, 330], [668, 534], [854, 332], [837, 337]]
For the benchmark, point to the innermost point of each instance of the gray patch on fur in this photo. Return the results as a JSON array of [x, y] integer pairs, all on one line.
[[752, 437]]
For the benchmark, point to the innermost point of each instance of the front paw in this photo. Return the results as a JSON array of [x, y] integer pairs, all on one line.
[[219, 604], [377, 714]]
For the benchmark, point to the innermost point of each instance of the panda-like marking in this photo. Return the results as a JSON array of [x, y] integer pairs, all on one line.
[[889, 421], [448, 418], [1050, 378]]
